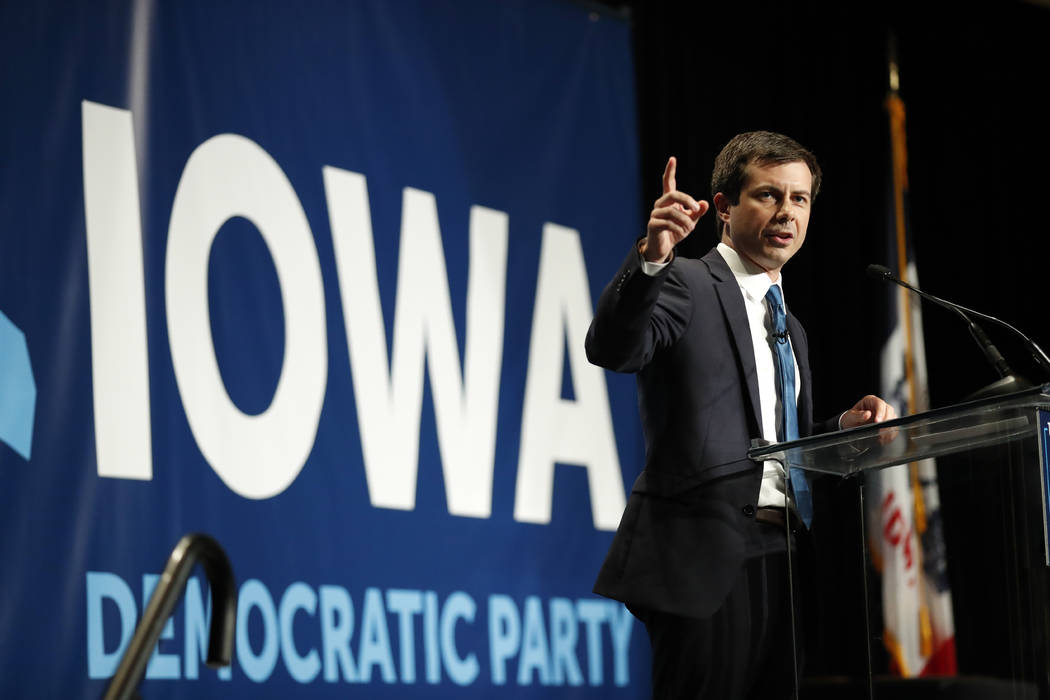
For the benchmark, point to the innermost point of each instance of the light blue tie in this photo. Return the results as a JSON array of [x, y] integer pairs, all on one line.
[[786, 390]]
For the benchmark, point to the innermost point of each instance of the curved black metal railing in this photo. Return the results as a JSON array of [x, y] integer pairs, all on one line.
[[190, 550]]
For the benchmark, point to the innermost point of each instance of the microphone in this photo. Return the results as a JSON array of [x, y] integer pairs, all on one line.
[[992, 353], [781, 337], [987, 347]]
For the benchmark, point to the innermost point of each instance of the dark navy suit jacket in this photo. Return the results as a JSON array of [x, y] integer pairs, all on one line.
[[684, 534]]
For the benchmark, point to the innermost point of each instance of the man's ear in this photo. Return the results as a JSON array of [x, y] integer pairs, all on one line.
[[722, 206]]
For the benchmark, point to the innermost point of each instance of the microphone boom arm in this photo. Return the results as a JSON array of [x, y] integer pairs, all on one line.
[[993, 355]]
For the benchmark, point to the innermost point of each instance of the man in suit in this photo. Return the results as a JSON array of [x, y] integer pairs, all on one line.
[[700, 553]]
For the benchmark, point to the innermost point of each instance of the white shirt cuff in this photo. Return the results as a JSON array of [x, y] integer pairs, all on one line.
[[651, 268]]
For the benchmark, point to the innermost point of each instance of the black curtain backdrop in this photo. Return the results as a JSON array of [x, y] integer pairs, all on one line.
[[973, 82], [973, 79]]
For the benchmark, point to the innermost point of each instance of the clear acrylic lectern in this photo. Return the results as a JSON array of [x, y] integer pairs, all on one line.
[[992, 470]]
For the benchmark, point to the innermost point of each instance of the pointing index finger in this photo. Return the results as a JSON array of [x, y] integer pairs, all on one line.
[[669, 183]]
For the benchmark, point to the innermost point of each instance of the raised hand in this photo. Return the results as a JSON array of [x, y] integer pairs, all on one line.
[[674, 217]]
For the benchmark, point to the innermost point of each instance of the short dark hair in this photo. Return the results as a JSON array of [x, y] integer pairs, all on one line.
[[764, 148]]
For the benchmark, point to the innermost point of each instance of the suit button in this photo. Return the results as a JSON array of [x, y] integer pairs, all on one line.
[[749, 510]]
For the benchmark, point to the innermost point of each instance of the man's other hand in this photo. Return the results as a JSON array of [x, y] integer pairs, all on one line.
[[870, 409]]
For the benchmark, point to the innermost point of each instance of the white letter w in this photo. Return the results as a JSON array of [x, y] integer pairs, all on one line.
[[389, 403]]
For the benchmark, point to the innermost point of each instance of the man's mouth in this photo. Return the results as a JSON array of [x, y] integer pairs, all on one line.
[[780, 236]]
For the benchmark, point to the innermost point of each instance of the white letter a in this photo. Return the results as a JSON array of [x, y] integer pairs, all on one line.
[[553, 429]]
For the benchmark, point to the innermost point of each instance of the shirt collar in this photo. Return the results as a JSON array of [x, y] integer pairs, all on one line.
[[751, 278]]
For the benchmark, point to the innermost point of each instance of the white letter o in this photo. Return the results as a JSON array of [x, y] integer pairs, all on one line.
[[256, 456]]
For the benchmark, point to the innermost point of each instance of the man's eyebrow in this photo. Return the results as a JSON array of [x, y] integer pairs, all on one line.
[[778, 188], [765, 186]]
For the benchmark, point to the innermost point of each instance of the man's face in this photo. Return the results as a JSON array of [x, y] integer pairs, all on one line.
[[768, 226]]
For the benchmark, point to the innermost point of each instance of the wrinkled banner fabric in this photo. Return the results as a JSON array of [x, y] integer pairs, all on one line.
[[314, 279]]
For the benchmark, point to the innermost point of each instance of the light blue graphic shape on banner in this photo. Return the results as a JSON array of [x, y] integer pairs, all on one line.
[[17, 389]]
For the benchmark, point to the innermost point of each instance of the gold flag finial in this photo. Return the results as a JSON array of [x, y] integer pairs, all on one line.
[[891, 55]]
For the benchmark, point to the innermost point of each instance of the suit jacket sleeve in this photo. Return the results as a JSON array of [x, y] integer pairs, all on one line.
[[637, 315]]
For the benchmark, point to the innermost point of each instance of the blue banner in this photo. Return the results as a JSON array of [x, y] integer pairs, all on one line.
[[314, 278]]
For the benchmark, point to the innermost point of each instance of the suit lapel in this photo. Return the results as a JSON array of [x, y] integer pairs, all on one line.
[[732, 301]]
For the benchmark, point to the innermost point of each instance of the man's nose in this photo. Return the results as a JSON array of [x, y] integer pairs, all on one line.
[[784, 212]]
